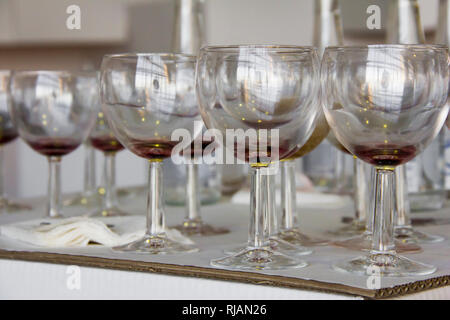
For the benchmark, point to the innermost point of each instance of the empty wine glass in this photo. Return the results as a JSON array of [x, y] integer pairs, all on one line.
[[193, 223], [53, 112], [146, 97], [385, 104], [290, 231], [357, 224], [103, 139], [8, 133], [89, 196], [263, 100]]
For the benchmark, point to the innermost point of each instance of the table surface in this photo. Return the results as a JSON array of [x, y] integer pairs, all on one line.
[[189, 276]]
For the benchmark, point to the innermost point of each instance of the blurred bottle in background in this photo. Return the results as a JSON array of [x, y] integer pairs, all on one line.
[[425, 174], [328, 168], [188, 37], [443, 37]]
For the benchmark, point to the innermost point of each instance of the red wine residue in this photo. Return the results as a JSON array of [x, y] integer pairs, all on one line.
[[106, 143], [152, 149], [385, 154], [54, 147], [7, 135]]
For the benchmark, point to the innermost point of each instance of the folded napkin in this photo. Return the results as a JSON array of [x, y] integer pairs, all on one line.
[[310, 200], [81, 231]]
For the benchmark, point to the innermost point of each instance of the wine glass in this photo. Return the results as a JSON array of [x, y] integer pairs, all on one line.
[[289, 231], [53, 112], [8, 133], [361, 196], [385, 104], [89, 196], [146, 97], [103, 139], [262, 100], [193, 223]]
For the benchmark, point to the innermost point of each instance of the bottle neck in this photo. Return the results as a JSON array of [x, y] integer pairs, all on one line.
[[189, 26], [404, 26], [443, 32], [327, 24]]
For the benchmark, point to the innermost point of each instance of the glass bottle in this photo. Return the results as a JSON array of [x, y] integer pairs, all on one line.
[[424, 176], [443, 37], [328, 31], [325, 165], [426, 173]]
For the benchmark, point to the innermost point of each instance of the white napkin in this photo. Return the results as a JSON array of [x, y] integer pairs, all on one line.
[[311, 200], [80, 231]]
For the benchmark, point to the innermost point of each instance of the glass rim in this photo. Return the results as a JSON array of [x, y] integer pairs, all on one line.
[[15, 73], [271, 47], [128, 55], [389, 46]]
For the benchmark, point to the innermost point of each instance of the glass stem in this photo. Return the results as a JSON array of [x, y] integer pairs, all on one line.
[[383, 219], [155, 210], [371, 203], [271, 206], [192, 196], [259, 219], [109, 180], [361, 191], [89, 170], [54, 187], [288, 194], [401, 199]]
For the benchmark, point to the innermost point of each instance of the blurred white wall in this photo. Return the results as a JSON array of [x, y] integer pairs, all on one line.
[[228, 21]]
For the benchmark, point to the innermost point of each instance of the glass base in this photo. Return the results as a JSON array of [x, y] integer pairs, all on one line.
[[410, 235], [194, 227], [347, 220], [277, 245], [111, 212], [364, 243], [157, 244], [355, 228], [11, 206], [295, 237], [384, 265], [94, 200], [58, 216], [258, 259]]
